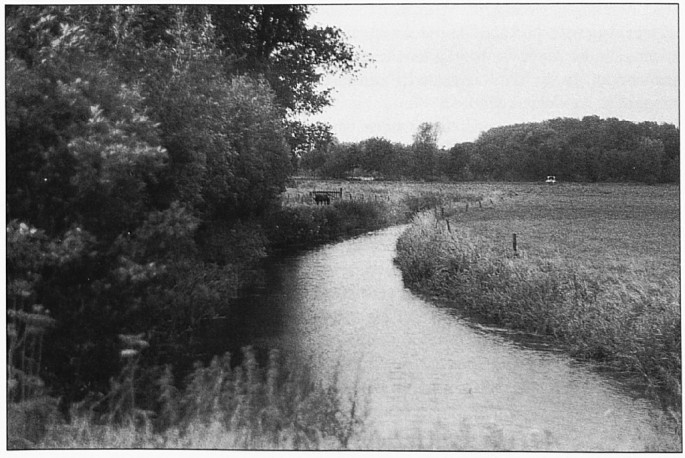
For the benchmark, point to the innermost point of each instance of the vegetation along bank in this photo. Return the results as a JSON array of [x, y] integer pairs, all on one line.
[[147, 148], [596, 268]]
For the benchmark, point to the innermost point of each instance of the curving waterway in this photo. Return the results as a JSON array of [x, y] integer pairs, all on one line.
[[432, 380]]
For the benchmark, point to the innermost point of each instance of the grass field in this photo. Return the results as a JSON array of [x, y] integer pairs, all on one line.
[[606, 226]]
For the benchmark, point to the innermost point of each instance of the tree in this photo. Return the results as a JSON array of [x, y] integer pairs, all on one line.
[[459, 157], [307, 139], [275, 41], [425, 148], [134, 143], [378, 157]]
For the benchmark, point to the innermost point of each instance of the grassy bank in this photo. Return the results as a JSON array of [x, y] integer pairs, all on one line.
[[363, 207], [597, 268], [277, 406], [307, 225]]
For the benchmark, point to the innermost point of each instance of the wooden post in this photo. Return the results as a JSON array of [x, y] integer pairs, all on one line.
[[480, 204], [442, 212], [340, 193], [448, 226], [514, 243]]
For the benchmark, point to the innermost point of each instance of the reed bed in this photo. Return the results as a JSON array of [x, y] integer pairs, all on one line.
[[623, 316], [276, 406]]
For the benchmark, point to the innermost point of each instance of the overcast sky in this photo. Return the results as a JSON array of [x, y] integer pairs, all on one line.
[[473, 67]]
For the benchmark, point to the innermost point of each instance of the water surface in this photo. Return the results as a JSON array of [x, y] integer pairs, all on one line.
[[431, 379]]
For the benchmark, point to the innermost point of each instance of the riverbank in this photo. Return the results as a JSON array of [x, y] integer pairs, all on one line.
[[298, 223], [232, 252], [596, 269]]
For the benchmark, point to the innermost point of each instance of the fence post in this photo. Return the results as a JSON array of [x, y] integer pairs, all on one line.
[[514, 243], [448, 226]]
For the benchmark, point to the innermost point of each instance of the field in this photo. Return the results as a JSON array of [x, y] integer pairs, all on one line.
[[606, 226], [600, 224]]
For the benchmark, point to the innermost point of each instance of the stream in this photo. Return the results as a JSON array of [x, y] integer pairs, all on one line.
[[428, 378]]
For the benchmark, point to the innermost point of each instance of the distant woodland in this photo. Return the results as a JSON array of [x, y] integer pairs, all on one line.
[[588, 150]]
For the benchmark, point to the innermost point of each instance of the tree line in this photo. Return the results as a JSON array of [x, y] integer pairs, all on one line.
[[590, 149]]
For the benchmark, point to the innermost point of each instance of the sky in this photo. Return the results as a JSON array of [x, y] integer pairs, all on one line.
[[474, 67]]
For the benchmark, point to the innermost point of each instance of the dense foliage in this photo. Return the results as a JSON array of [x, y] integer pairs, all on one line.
[[591, 149], [144, 146]]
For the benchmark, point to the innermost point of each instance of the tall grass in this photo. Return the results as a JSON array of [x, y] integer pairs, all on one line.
[[223, 407], [300, 225], [620, 316]]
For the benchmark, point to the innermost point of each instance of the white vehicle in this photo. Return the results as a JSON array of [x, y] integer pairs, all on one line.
[[551, 179]]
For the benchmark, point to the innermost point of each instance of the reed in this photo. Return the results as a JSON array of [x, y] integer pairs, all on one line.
[[621, 316], [223, 407]]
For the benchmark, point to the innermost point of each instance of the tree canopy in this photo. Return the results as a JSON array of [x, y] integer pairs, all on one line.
[[143, 141]]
